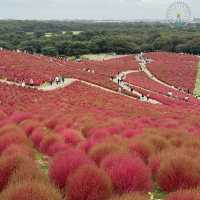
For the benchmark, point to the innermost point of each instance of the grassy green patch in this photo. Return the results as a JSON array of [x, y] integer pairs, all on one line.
[[98, 56], [157, 193], [76, 32], [43, 163], [197, 85], [45, 168]]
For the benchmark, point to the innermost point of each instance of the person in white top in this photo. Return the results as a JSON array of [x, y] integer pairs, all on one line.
[[186, 99], [57, 80], [23, 84], [31, 82], [170, 94], [119, 89]]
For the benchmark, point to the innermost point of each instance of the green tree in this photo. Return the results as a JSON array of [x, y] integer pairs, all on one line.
[[50, 51]]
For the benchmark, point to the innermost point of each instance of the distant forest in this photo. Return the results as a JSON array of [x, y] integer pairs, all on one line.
[[74, 38]]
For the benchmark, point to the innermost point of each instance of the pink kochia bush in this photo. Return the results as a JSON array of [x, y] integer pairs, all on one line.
[[48, 141], [178, 171], [10, 128], [12, 138], [129, 133], [128, 173], [184, 195], [65, 163], [71, 136], [29, 126], [56, 148], [142, 148], [20, 116], [99, 151], [37, 136], [89, 182], [18, 149], [2, 115]]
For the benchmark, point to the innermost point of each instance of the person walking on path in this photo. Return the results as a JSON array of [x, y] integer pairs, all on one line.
[[63, 79], [23, 83], [120, 90], [118, 81], [51, 81], [186, 99], [148, 97], [57, 80], [31, 82]]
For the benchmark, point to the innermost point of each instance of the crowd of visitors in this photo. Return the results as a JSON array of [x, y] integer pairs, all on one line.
[[58, 80]]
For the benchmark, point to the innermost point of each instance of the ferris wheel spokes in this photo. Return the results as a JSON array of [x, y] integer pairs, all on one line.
[[179, 12]]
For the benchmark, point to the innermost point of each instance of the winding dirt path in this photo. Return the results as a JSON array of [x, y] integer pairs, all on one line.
[[119, 79], [122, 85], [143, 67], [68, 81], [54, 86]]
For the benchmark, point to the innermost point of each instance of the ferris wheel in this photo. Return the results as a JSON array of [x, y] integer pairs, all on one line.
[[179, 13]]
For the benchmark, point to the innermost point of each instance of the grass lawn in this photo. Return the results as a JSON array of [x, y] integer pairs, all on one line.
[[197, 85], [99, 56], [76, 32], [42, 161]]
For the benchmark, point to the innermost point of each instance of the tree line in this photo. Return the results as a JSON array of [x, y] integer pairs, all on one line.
[[74, 38]]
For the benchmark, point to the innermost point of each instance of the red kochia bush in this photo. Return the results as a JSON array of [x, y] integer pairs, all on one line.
[[12, 138], [157, 141], [9, 164], [178, 171], [47, 141], [29, 125], [31, 190], [98, 139], [5, 122], [71, 136], [20, 116], [142, 148], [184, 195], [131, 196], [156, 159], [89, 182], [37, 136], [10, 128], [97, 132], [128, 173], [99, 151], [154, 163], [52, 122], [64, 163], [129, 133], [2, 115], [56, 148], [18, 149], [28, 172]]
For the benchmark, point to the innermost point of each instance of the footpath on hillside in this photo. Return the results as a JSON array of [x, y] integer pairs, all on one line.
[[143, 66], [120, 80], [67, 81], [54, 85]]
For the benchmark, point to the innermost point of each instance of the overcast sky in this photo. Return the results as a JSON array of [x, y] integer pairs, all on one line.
[[89, 9]]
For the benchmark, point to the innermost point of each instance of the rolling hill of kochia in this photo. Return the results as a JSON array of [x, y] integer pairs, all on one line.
[[88, 140]]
